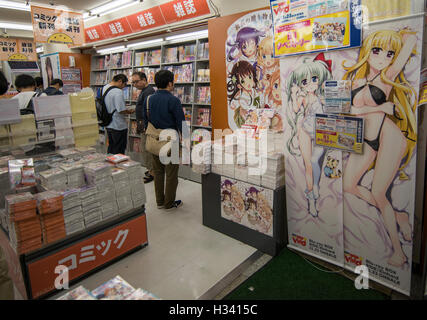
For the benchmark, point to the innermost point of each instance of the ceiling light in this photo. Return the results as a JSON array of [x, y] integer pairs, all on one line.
[[14, 5], [117, 8], [110, 49], [118, 4], [188, 35], [16, 26], [130, 45]]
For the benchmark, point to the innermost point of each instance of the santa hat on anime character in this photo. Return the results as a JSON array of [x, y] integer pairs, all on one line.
[[327, 63]]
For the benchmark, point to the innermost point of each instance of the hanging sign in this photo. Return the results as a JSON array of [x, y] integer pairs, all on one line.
[[17, 50], [146, 19], [303, 26], [179, 10], [57, 26]]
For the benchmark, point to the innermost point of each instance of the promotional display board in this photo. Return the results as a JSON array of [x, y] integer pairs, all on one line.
[[50, 68], [57, 26], [250, 206], [378, 186], [303, 26], [253, 75], [17, 50], [313, 173]]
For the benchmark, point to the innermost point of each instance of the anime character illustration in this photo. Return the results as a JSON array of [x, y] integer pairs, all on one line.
[[385, 99], [266, 64], [232, 201], [242, 93], [303, 90], [331, 168], [274, 95], [259, 212], [246, 45]]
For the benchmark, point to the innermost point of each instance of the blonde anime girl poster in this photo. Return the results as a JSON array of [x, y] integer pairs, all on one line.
[[313, 173], [379, 185], [253, 74]]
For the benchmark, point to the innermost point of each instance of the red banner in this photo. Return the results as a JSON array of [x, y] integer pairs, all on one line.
[[87, 255], [167, 13], [179, 10], [147, 19]]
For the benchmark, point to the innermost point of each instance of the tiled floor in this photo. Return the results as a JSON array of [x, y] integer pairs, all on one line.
[[184, 259]]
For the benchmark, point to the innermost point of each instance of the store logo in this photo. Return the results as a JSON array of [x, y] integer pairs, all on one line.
[[299, 240], [353, 259], [281, 8]]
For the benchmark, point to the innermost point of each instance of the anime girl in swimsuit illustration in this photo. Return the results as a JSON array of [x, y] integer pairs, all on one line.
[[303, 90], [382, 96]]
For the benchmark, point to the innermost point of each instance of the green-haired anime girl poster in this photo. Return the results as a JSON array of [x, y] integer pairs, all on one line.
[[376, 201]]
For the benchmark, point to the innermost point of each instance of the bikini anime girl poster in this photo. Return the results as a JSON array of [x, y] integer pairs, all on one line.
[[369, 203], [253, 74], [247, 205]]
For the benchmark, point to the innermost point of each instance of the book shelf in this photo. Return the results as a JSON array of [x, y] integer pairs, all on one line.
[[188, 60]]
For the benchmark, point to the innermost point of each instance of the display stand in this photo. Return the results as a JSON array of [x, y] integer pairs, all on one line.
[[211, 200], [84, 253]]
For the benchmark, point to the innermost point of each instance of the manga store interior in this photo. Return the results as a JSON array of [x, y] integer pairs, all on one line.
[[300, 157]]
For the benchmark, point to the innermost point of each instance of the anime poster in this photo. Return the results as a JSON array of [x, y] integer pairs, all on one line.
[[313, 173], [248, 205], [253, 74], [50, 68], [379, 185]]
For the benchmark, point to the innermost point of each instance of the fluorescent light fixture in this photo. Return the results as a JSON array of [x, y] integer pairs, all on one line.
[[16, 26], [117, 9], [110, 49], [137, 44], [188, 35], [14, 5], [118, 4], [39, 49], [89, 18]]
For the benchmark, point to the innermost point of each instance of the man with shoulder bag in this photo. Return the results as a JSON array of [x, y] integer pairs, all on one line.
[[162, 110], [139, 81]]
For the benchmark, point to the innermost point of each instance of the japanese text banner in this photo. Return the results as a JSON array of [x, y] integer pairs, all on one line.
[[304, 26], [17, 50], [57, 26], [179, 10]]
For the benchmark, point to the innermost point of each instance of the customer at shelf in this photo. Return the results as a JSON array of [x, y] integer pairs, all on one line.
[[115, 103], [26, 86], [6, 285], [164, 112], [139, 81], [39, 85], [55, 88]]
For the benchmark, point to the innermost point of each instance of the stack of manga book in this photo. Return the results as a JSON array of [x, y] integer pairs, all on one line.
[[274, 177], [25, 232], [137, 189], [54, 179], [49, 206], [91, 207], [73, 213], [75, 175]]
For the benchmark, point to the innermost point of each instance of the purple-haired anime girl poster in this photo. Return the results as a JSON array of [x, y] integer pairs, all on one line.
[[253, 74]]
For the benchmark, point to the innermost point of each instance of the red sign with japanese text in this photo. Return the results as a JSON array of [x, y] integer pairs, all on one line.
[[147, 19], [116, 28], [179, 10], [167, 13], [17, 50], [94, 33], [86, 255], [57, 26]]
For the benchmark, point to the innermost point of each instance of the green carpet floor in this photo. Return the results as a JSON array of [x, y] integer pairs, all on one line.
[[290, 276]]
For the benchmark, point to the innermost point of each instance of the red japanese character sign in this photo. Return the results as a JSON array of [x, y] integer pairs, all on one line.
[[147, 19], [94, 33], [116, 28], [57, 26], [179, 10], [17, 50], [87, 254]]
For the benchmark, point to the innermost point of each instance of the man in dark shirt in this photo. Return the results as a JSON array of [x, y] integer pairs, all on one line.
[[139, 81], [54, 88], [165, 112]]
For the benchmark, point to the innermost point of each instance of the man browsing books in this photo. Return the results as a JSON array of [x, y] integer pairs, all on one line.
[[139, 81], [115, 103]]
